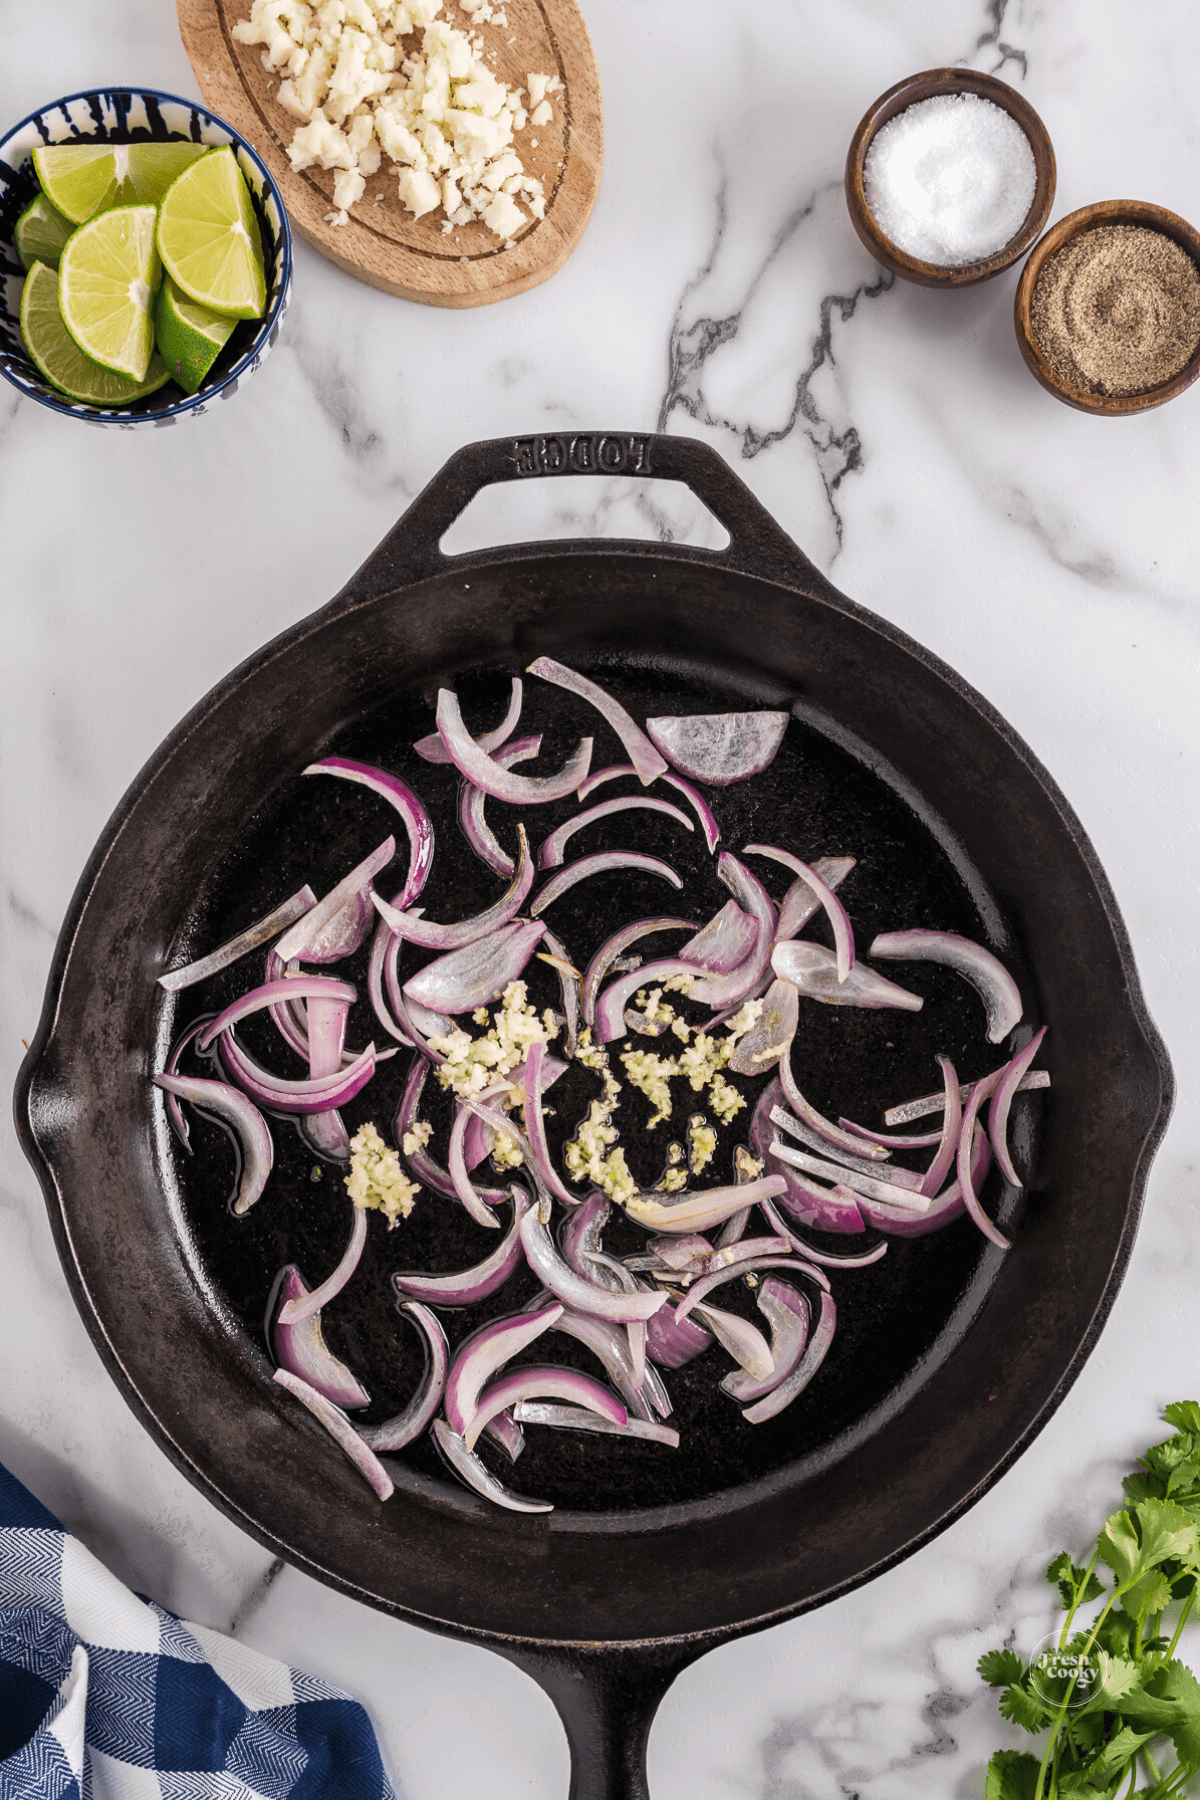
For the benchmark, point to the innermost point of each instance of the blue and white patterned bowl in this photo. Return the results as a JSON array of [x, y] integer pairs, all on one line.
[[137, 116]]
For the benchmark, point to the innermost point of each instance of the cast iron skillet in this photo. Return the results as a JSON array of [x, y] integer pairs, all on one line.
[[603, 1606]]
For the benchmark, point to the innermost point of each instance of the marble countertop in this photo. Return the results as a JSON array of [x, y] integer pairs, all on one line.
[[895, 433]]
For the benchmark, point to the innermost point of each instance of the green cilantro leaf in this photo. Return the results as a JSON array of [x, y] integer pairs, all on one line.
[[1011, 1775], [1021, 1707], [1075, 1585], [1150, 1595], [1174, 1683], [1184, 1415], [1113, 1760], [1157, 1529], [1000, 1668], [1121, 1676]]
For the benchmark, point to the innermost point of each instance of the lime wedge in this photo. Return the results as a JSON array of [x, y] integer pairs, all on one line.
[[84, 179], [41, 231], [106, 281], [189, 337], [208, 239], [61, 360]]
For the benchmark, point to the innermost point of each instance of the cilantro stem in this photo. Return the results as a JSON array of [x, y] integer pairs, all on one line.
[[1150, 1763], [1039, 1791], [1183, 1619], [1066, 1630]]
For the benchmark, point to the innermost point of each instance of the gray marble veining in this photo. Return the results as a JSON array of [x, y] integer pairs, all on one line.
[[894, 432]]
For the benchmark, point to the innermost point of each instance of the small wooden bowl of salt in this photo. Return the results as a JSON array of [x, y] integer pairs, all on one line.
[[950, 177], [1107, 310]]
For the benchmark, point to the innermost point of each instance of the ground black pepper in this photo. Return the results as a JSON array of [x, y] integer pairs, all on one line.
[[1117, 309]]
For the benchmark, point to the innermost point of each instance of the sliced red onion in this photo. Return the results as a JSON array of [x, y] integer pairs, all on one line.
[[306, 1306], [383, 941], [613, 948], [889, 1140], [724, 943], [699, 805], [337, 924], [302, 1350], [795, 1383], [745, 1250], [485, 1352], [577, 1418], [624, 1282], [271, 993], [735, 1334], [569, 982], [579, 1239], [696, 1295], [427, 934], [849, 1159], [479, 769], [966, 1181], [868, 1185], [324, 1094], [769, 1039], [786, 1311], [429, 1173], [408, 1425], [801, 903], [179, 1124], [814, 971], [464, 1188], [433, 750], [835, 912], [476, 976], [412, 812], [535, 1126], [671, 1344], [1006, 1087], [941, 1165], [948, 1206], [805, 1201], [575, 1290], [986, 973], [702, 1210], [291, 1021], [609, 1015], [610, 1345], [478, 1476], [603, 863], [687, 1252], [536, 1159], [341, 1430], [261, 932], [551, 853], [727, 990], [543, 1383], [419, 1022], [472, 800], [505, 1431], [469, 1286], [326, 1041], [644, 757], [821, 1126], [258, 1152], [933, 1103], [720, 748], [803, 1248]]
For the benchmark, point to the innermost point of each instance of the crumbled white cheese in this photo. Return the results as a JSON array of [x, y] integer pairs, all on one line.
[[376, 1180], [437, 110]]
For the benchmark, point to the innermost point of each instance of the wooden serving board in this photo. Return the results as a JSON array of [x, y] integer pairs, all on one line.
[[383, 244]]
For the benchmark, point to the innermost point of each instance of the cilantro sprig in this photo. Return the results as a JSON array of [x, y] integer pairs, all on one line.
[[1115, 1702]]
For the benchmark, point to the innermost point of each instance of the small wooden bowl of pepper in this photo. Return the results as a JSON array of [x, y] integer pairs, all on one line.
[[936, 84], [1108, 318]]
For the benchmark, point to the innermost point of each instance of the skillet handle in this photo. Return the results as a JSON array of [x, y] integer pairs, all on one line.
[[606, 1697], [411, 550]]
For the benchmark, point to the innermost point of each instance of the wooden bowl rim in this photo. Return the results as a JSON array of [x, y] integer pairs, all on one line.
[[927, 85], [1087, 218]]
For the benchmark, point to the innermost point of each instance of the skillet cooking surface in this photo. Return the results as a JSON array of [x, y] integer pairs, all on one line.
[[903, 1314], [892, 758]]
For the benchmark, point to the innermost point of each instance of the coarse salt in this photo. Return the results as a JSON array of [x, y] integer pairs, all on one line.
[[950, 180]]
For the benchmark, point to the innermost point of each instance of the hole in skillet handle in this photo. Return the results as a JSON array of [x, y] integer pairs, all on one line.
[[413, 547]]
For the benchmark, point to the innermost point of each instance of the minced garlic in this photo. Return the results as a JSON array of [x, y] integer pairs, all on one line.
[[437, 111], [417, 1138], [702, 1143], [376, 1180], [724, 1099], [651, 1074], [473, 1064]]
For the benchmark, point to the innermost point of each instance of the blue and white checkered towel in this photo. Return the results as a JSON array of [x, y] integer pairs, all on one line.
[[107, 1697]]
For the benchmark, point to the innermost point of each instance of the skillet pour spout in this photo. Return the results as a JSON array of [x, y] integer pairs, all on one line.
[[607, 1598]]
